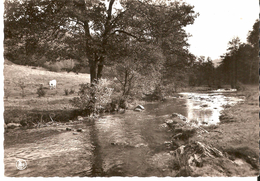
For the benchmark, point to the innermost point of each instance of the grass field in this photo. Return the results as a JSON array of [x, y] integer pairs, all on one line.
[[31, 78], [18, 102]]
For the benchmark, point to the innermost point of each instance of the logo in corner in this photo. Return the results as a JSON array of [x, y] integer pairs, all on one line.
[[21, 164]]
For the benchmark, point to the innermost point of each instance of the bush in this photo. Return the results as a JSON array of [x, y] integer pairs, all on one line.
[[93, 97], [117, 102], [40, 91], [58, 66], [157, 94], [66, 91], [53, 67], [72, 91]]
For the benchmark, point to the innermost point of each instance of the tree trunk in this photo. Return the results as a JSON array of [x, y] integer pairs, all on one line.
[[93, 70], [250, 71], [100, 67], [126, 82]]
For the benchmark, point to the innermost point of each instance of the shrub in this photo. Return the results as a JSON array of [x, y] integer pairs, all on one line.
[[66, 91], [58, 66], [93, 97], [72, 91], [40, 91], [157, 94], [117, 102]]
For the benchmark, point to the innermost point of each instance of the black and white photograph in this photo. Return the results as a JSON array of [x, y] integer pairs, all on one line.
[[130, 88]]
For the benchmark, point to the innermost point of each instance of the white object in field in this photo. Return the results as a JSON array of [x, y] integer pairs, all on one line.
[[53, 84]]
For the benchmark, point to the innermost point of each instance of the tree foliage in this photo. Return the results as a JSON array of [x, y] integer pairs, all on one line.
[[240, 62], [93, 29]]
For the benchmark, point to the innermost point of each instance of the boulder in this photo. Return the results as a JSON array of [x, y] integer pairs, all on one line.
[[140, 144], [79, 130], [163, 126], [68, 129], [120, 110], [13, 125], [181, 117], [138, 110], [168, 144], [80, 118], [139, 107], [177, 136], [171, 123]]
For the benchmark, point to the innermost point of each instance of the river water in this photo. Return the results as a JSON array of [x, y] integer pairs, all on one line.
[[129, 144]]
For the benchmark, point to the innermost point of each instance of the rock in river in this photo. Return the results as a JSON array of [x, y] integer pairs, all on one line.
[[183, 118], [138, 110], [139, 107]]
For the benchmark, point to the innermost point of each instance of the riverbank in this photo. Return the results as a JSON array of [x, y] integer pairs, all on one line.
[[238, 132]]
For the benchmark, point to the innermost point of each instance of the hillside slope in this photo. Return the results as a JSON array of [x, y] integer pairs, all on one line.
[[31, 77]]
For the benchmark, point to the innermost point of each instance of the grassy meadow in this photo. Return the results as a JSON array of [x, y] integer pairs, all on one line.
[[20, 90], [16, 76]]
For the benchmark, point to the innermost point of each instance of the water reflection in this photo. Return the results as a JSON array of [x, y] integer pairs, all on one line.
[[205, 109], [131, 144]]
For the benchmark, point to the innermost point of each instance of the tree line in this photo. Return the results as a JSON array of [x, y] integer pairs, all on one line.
[[239, 65]]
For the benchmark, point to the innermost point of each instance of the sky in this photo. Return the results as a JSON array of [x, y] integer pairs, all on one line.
[[218, 23]]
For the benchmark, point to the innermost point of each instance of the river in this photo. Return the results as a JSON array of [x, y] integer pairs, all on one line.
[[129, 144]]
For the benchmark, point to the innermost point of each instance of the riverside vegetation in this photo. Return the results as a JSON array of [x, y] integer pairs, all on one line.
[[232, 142]]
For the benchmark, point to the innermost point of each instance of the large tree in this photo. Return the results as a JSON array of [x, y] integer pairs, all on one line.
[[98, 24]]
